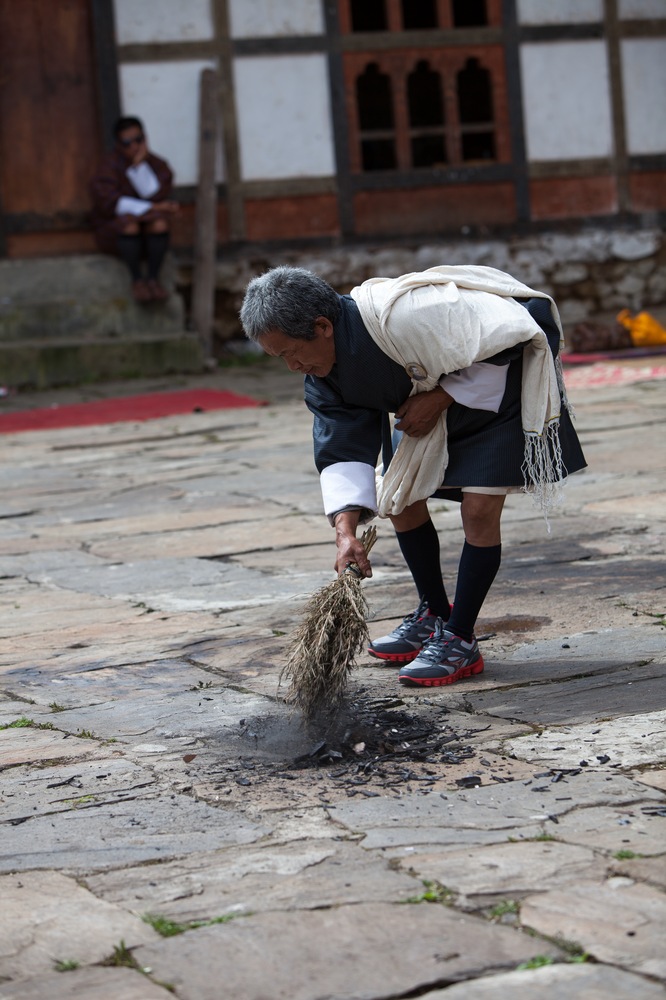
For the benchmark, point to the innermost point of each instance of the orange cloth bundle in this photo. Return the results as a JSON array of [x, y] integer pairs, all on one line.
[[643, 328]]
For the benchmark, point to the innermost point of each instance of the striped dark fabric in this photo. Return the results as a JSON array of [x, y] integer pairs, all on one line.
[[351, 406]]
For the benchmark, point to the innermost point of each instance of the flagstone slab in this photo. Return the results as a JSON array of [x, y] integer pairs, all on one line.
[[617, 922], [405, 841], [192, 711], [655, 779], [47, 917], [500, 808], [143, 826], [627, 741], [295, 876], [30, 746], [217, 540], [616, 692], [555, 982], [29, 791], [369, 950], [110, 519], [93, 983], [74, 685], [652, 506], [36, 611], [483, 875], [639, 827], [634, 643], [650, 870], [203, 584], [38, 565], [546, 660]]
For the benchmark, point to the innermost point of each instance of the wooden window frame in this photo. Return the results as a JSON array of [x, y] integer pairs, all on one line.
[[397, 64]]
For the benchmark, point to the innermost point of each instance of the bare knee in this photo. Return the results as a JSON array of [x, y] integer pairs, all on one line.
[[481, 517], [411, 517], [129, 227], [159, 225]]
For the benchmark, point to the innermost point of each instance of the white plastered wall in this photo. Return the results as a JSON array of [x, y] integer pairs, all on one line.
[[165, 95], [628, 9], [275, 18], [162, 21], [284, 116], [644, 79], [566, 96], [559, 11]]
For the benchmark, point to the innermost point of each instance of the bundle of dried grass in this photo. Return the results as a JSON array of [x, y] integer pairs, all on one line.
[[324, 646]]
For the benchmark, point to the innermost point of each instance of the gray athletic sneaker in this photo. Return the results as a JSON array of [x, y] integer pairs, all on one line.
[[404, 642], [445, 658]]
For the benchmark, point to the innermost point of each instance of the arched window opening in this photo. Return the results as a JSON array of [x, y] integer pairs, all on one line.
[[469, 13], [374, 101], [418, 14], [425, 105], [475, 112], [424, 96], [368, 15]]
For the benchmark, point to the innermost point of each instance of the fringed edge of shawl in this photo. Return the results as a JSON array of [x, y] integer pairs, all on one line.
[[543, 469]]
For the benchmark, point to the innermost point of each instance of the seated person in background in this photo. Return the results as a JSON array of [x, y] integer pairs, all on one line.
[[131, 207]]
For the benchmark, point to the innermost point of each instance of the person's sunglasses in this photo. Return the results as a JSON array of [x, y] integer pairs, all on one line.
[[133, 141]]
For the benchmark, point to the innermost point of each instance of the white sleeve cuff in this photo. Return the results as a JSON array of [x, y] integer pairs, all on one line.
[[348, 484], [481, 386], [132, 206]]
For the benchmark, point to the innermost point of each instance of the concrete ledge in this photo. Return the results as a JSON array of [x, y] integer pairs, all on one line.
[[40, 364], [67, 320], [84, 296]]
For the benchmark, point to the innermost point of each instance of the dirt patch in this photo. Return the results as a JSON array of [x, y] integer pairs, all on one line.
[[489, 627], [370, 747]]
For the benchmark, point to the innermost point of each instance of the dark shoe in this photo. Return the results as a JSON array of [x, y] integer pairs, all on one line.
[[158, 292], [141, 291], [445, 658], [404, 642]]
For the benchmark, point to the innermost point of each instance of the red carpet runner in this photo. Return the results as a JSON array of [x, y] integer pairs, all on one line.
[[110, 411]]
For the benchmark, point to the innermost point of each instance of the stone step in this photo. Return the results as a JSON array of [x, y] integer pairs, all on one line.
[[66, 320], [42, 363]]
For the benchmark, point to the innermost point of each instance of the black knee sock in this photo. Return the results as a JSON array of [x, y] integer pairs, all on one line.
[[476, 572], [129, 251], [156, 247], [420, 547]]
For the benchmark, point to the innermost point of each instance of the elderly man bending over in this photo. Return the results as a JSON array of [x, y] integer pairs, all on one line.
[[466, 358]]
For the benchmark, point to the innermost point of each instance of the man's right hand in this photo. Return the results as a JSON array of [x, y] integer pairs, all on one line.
[[350, 549]]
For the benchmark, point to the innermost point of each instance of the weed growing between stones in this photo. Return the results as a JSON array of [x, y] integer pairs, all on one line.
[[170, 928]]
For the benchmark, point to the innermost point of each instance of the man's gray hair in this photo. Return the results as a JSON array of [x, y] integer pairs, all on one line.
[[288, 299]]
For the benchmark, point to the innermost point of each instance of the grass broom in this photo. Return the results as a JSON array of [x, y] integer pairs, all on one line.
[[323, 648]]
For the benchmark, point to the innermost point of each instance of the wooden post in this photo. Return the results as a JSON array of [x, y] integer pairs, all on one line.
[[205, 229]]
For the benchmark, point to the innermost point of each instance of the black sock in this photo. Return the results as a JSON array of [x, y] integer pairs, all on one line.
[[420, 547], [156, 247], [129, 251], [476, 572]]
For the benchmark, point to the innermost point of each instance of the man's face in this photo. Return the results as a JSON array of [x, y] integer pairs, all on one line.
[[132, 143], [310, 357]]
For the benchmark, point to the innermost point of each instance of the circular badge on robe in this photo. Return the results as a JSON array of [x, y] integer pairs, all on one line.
[[416, 371]]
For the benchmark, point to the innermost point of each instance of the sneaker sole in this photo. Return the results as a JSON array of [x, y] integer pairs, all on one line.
[[395, 657], [473, 668]]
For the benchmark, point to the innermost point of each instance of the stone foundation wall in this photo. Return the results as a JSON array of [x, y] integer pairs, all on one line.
[[591, 275]]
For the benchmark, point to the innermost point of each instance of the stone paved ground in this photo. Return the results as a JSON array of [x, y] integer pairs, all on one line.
[[505, 836]]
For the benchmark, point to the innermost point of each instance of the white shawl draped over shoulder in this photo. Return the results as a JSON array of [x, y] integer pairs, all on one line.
[[441, 320]]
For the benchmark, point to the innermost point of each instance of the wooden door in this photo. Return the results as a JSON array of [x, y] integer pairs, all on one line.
[[49, 135]]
